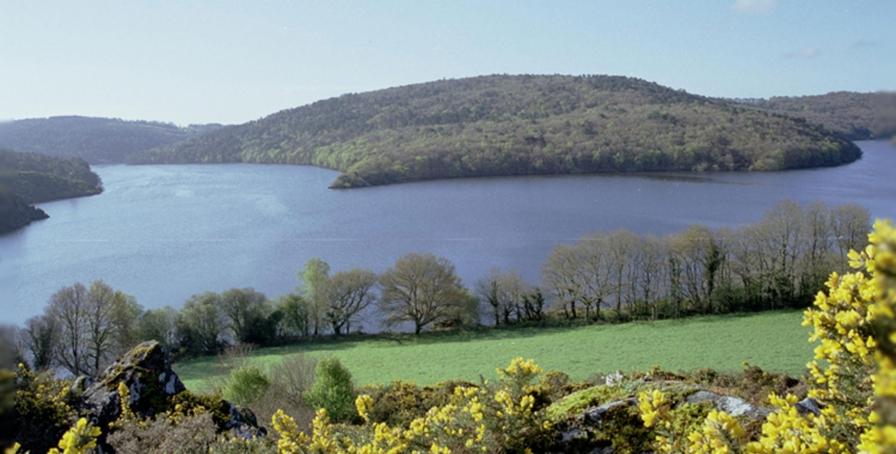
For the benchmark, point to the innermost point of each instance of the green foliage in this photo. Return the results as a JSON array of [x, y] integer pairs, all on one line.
[[27, 178], [332, 390], [201, 324], [399, 403], [517, 125], [43, 410], [38, 178], [578, 401], [250, 317], [245, 385]]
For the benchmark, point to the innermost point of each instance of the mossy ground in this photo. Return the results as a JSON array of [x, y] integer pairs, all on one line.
[[774, 341]]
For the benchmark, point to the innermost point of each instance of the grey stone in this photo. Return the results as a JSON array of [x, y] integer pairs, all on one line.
[[809, 405], [614, 378], [734, 406]]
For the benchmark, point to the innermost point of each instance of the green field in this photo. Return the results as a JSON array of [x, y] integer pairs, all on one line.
[[772, 340]]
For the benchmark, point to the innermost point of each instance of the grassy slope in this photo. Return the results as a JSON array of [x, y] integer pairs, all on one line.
[[773, 340]]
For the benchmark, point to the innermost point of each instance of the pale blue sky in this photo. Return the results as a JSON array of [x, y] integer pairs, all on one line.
[[222, 61]]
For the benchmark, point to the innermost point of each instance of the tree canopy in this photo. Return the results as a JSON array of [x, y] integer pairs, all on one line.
[[517, 125]]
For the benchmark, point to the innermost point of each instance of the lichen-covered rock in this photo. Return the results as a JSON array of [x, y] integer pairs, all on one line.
[[611, 427], [146, 372], [153, 388]]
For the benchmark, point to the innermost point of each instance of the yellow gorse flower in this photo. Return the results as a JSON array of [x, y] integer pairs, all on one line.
[[80, 439]]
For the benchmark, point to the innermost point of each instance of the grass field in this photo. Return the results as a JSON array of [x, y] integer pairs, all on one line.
[[772, 340]]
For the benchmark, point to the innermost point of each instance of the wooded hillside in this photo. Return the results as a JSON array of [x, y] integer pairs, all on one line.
[[517, 125], [27, 178], [858, 116], [96, 140]]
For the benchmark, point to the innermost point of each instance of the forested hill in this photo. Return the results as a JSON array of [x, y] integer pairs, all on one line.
[[858, 116], [96, 140], [27, 178], [516, 125]]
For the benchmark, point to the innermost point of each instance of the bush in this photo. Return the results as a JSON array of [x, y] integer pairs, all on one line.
[[399, 403], [44, 410], [166, 435], [290, 381], [245, 385], [333, 390]]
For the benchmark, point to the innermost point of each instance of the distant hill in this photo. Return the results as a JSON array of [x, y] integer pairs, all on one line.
[[27, 178], [516, 125], [858, 116], [96, 140]]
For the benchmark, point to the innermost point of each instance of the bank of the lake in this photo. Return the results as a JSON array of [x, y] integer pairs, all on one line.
[[773, 340], [163, 233]]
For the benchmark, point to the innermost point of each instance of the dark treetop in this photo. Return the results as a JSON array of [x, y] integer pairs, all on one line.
[[27, 178]]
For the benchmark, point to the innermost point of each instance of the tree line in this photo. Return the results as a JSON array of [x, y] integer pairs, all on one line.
[[779, 262]]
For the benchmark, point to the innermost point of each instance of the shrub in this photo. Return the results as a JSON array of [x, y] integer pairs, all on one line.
[[399, 403], [290, 381], [43, 410], [194, 433], [245, 385], [487, 418], [332, 390]]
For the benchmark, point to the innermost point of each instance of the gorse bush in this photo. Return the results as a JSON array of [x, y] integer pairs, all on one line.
[[332, 390], [853, 374], [486, 418]]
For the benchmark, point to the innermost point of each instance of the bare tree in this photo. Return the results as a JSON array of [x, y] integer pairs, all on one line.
[[504, 293], [350, 292], [68, 307], [421, 289], [40, 338], [561, 274], [850, 224]]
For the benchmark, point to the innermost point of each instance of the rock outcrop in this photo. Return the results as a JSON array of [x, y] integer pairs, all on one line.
[[153, 388]]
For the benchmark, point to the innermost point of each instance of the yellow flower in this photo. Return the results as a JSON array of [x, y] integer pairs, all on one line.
[[80, 439]]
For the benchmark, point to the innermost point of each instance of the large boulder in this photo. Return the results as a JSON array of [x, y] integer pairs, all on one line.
[[153, 388], [146, 372]]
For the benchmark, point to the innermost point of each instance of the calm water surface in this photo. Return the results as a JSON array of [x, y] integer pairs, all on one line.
[[163, 233]]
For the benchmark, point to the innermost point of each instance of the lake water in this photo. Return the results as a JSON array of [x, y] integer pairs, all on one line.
[[163, 233]]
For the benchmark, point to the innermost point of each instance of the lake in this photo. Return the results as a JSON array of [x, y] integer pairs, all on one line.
[[163, 233]]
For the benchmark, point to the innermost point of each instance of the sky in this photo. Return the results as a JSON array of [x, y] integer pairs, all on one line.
[[235, 61]]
